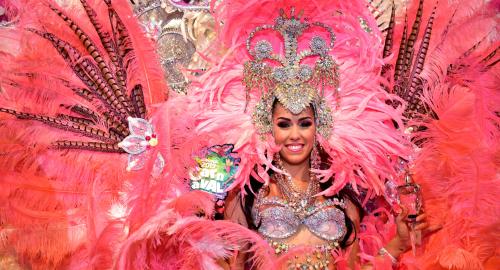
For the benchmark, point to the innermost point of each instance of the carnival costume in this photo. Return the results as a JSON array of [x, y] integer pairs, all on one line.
[[96, 177]]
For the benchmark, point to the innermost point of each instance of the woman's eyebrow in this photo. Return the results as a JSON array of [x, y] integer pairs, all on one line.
[[305, 118], [284, 118]]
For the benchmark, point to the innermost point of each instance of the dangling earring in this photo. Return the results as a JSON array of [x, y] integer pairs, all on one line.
[[277, 160], [315, 158]]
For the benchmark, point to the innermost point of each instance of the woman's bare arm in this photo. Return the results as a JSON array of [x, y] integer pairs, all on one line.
[[352, 213], [234, 209], [234, 212]]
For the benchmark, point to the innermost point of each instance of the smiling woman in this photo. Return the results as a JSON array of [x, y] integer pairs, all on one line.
[[287, 212], [302, 202]]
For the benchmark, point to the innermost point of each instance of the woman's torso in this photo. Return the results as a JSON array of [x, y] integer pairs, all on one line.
[[319, 226]]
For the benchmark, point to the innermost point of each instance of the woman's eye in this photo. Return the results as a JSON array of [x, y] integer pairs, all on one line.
[[305, 123], [283, 124]]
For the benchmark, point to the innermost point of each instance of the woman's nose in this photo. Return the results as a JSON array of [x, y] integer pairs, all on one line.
[[294, 133]]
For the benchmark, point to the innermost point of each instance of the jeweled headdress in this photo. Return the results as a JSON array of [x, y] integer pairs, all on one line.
[[294, 84]]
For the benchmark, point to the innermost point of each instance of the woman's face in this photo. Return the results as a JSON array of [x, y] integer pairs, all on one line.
[[295, 132]]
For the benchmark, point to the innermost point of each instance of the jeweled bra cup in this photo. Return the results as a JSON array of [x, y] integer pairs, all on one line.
[[278, 221]]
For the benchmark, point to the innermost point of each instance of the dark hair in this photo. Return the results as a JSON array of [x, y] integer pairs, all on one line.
[[345, 193]]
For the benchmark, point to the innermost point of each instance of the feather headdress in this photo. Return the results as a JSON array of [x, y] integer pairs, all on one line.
[[363, 138]]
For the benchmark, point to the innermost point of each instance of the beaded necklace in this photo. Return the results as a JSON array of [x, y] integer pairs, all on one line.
[[299, 201]]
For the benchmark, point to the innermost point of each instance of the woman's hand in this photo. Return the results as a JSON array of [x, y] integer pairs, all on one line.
[[402, 241]]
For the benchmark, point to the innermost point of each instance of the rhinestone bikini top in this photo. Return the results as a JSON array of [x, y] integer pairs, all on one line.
[[279, 221]]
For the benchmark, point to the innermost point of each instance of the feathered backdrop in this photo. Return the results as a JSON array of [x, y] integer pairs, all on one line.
[[446, 70], [66, 208]]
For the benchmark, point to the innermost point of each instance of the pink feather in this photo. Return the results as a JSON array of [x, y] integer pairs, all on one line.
[[56, 203]]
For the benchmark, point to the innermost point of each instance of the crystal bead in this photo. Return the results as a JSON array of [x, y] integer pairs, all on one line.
[[303, 202]]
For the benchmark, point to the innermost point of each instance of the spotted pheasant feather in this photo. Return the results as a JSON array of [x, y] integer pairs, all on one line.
[[104, 77]]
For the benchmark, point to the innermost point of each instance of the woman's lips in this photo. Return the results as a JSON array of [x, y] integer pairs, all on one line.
[[295, 148]]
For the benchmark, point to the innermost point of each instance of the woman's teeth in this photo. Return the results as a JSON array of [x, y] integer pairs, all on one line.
[[295, 147]]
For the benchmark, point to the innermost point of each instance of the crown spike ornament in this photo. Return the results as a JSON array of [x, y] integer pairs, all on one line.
[[292, 83]]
